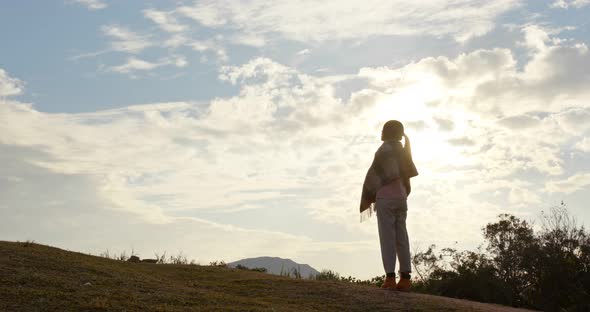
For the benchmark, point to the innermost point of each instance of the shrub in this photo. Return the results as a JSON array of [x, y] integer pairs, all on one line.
[[180, 258], [547, 270], [241, 267], [327, 275], [218, 264]]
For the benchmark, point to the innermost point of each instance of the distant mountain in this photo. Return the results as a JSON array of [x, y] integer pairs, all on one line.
[[275, 265]]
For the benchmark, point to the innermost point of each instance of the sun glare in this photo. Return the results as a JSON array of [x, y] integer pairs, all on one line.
[[416, 106]]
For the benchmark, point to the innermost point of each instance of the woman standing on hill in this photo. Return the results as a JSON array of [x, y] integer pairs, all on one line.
[[385, 190]]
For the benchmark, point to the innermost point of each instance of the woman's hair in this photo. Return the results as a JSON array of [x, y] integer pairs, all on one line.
[[392, 130]]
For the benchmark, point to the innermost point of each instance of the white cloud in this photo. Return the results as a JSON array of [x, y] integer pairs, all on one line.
[[249, 40], [207, 14], [485, 89], [179, 61], [301, 118], [91, 4], [210, 45], [164, 20], [575, 121], [535, 37], [522, 195], [9, 86], [304, 52], [176, 41], [351, 20], [576, 182], [73, 206], [287, 141], [135, 64], [583, 145], [564, 4], [126, 40], [555, 78]]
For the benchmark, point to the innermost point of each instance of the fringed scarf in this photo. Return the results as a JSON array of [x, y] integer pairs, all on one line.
[[392, 161]]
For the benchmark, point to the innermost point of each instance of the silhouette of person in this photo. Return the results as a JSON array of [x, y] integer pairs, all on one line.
[[385, 191]]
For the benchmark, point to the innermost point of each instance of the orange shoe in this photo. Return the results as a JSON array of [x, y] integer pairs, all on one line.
[[389, 283], [404, 284]]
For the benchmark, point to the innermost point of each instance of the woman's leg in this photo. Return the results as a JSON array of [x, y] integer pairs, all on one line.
[[402, 240], [387, 235]]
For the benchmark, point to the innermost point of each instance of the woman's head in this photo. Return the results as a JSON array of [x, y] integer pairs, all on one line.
[[392, 130]]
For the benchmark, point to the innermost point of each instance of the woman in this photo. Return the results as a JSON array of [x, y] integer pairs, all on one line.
[[385, 190]]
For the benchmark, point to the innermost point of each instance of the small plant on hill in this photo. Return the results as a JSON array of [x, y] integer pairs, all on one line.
[[296, 272], [179, 259], [105, 254], [327, 275], [262, 270], [122, 256], [220, 263], [293, 272], [285, 273], [160, 258], [28, 243], [242, 267]]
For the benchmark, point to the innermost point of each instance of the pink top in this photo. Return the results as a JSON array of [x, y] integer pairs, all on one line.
[[393, 190]]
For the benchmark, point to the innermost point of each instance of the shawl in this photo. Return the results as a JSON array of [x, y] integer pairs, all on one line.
[[392, 161]]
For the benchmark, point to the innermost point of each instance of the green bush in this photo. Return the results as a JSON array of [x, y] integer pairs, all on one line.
[[547, 270]]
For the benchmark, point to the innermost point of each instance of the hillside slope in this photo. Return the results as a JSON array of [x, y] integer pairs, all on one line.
[[41, 278]]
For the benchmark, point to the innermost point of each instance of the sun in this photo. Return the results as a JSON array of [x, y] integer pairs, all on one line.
[[420, 106]]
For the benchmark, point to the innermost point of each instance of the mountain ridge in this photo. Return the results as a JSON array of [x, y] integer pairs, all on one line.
[[277, 266]]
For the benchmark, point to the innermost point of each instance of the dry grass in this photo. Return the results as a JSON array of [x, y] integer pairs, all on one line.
[[34, 277]]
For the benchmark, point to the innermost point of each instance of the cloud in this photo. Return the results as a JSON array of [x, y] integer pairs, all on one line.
[[573, 183], [242, 23], [523, 195], [444, 124], [208, 14], [295, 146], [575, 121], [177, 40], [541, 107], [519, 122], [126, 40], [134, 64], [69, 202], [583, 145], [564, 4], [91, 4], [210, 45], [535, 37], [164, 20], [131, 184], [249, 40], [304, 52], [310, 21], [462, 141], [9, 86]]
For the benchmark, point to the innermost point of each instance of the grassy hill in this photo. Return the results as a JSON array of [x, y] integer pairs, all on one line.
[[35, 277]]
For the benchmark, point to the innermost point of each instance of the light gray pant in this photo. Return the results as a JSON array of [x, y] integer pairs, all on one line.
[[393, 236]]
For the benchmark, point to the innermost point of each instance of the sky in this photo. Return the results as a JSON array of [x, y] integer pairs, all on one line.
[[234, 129]]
